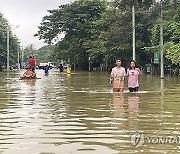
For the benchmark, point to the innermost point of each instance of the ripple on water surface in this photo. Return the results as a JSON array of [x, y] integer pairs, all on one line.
[[80, 114]]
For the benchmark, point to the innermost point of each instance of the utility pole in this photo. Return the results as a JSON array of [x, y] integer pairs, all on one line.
[[133, 33], [161, 42], [18, 56], [74, 62], [89, 64], [8, 29], [22, 58]]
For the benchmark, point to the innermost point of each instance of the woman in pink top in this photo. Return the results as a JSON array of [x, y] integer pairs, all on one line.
[[133, 73], [117, 75]]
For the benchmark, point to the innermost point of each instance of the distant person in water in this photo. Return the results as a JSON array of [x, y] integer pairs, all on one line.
[[46, 70], [61, 68], [68, 70], [117, 76], [133, 74]]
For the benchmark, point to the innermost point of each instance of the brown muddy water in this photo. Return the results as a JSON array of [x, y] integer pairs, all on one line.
[[78, 113]]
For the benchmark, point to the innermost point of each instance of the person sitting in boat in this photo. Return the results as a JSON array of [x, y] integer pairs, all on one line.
[[27, 73]]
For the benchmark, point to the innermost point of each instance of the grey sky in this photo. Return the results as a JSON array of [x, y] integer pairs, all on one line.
[[27, 14]]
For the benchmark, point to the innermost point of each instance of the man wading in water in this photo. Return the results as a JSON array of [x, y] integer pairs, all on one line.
[[117, 76]]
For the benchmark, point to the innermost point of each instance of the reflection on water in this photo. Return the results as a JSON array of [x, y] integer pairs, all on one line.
[[78, 113], [133, 108], [118, 104]]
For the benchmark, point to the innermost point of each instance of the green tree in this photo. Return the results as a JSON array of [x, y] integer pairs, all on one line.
[[102, 30], [171, 33], [119, 33], [44, 54], [77, 21], [13, 46], [173, 52]]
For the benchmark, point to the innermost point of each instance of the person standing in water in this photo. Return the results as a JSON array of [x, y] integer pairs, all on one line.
[[133, 74], [46, 70], [68, 70], [61, 68], [117, 76]]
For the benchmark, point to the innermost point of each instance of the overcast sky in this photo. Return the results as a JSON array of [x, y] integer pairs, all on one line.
[[28, 14]]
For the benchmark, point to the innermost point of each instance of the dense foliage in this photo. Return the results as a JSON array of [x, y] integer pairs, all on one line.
[[100, 31], [13, 43]]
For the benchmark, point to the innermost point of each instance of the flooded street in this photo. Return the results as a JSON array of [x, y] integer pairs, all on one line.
[[78, 113]]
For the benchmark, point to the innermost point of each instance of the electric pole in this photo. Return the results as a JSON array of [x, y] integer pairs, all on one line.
[[161, 42], [134, 33], [8, 29]]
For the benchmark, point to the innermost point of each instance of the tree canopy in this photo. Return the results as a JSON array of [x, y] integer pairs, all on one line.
[[13, 43], [100, 31]]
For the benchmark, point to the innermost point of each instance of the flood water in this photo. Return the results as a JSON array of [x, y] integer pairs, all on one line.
[[78, 113]]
